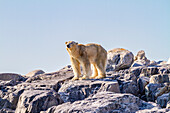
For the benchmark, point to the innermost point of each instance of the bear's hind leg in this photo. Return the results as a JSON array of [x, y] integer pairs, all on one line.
[[86, 70], [95, 72], [101, 71]]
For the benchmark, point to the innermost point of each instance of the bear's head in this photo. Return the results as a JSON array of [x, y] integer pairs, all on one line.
[[71, 46]]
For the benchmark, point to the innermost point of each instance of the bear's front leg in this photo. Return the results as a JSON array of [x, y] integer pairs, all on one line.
[[86, 70], [76, 68]]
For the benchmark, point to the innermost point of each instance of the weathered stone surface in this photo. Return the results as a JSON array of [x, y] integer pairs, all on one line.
[[6, 110], [140, 59], [119, 59], [152, 91], [152, 70], [156, 79], [77, 90], [64, 74], [12, 98], [154, 110], [162, 100], [34, 101], [34, 73], [102, 102], [153, 63], [129, 87], [3, 103], [142, 82], [10, 76], [136, 70]]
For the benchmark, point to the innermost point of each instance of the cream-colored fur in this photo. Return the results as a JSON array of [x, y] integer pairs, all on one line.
[[87, 55]]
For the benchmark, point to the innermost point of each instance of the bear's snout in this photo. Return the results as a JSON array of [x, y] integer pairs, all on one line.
[[68, 46]]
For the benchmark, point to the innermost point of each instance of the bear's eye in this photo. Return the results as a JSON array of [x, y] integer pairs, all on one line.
[[68, 46]]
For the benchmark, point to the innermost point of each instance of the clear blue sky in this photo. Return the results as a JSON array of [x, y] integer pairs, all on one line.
[[33, 32]]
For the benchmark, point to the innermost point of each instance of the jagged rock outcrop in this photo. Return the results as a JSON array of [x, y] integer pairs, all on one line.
[[118, 59], [140, 59], [78, 90], [34, 73], [157, 79], [10, 76], [163, 100], [34, 101], [103, 102]]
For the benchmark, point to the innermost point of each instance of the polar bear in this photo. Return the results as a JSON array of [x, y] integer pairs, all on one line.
[[87, 55]]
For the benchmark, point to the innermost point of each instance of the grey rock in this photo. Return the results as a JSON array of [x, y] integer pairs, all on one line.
[[164, 69], [136, 70], [154, 110], [34, 73], [130, 76], [102, 102], [78, 90], [152, 91], [138, 63], [165, 78], [3, 103], [153, 63], [163, 99], [10, 76], [6, 110], [129, 87], [64, 74], [142, 82], [119, 59], [140, 59], [12, 98], [34, 101], [152, 70]]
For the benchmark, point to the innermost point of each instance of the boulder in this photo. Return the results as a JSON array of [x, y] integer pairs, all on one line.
[[78, 90], [164, 69], [140, 59], [118, 59], [142, 82], [10, 76], [130, 76], [163, 99], [156, 79], [34, 101], [129, 86], [6, 110], [152, 91], [154, 110], [34, 73], [12, 98], [136, 70], [152, 70], [102, 102], [64, 74], [3, 103]]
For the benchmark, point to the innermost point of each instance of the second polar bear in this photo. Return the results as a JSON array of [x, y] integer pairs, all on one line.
[[87, 55]]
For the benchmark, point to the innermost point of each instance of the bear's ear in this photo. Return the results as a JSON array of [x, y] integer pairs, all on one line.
[[66, 42]]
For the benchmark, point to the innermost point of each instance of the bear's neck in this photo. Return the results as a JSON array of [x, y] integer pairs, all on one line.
[[75, 52]]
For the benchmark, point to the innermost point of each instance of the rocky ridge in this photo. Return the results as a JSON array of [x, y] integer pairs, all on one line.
[[134, 85]]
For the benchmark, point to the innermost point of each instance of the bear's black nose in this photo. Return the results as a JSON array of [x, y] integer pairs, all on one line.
[[68, 46]]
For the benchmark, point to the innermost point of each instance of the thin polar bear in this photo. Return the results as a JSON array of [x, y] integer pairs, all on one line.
[[87, 55]]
